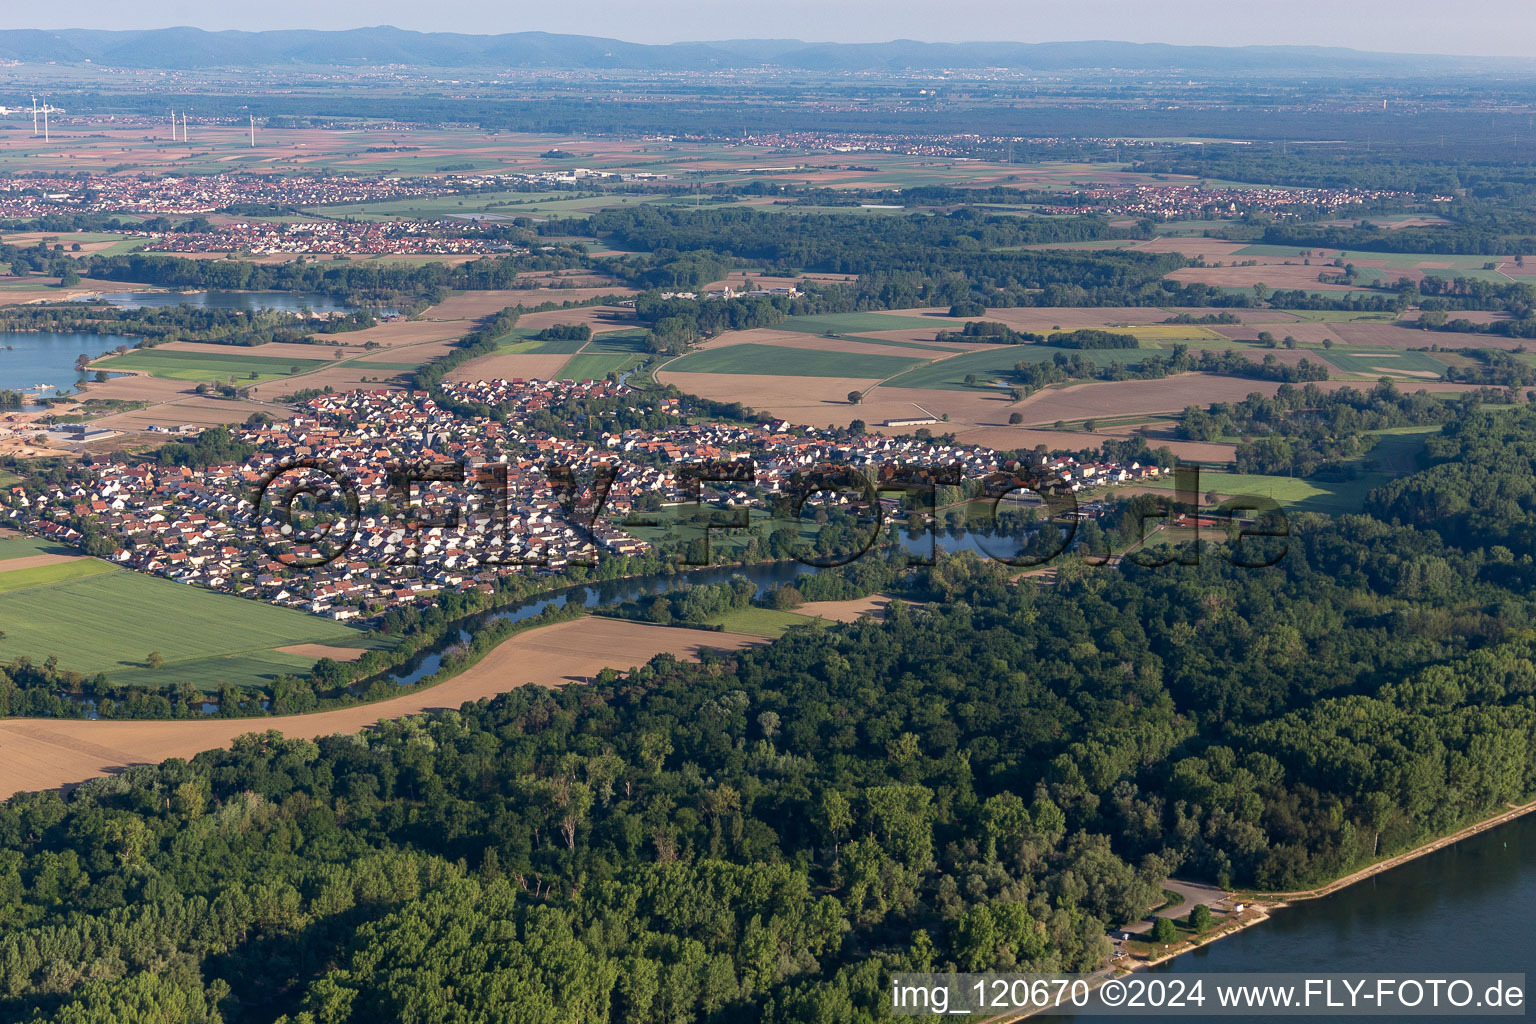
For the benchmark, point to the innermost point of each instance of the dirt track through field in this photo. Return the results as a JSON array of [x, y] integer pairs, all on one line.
[[48, 753]]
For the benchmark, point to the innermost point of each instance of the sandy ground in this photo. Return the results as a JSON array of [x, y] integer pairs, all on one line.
[[48, 753], [47, 290]]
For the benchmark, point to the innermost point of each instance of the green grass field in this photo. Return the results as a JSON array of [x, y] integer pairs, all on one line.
[[993, 363], [111, 622], [1394, 455], [866, 323], [754, 621], [43, 575], [207, 366], [523, 342], [597, 365], [1384, 361], [796, 362], [25, 547]]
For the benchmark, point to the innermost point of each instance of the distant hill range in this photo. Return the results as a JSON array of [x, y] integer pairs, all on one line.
[[189, 48]]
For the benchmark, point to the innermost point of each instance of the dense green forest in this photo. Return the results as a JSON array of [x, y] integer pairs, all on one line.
[[986, 779]]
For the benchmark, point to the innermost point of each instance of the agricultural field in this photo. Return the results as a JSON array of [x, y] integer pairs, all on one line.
[[21, 546], [1397, 363], [776, 360], [110, 622], [866, 323], [1395, 454], [613, 352], [993, 363], [58, 570], [1342, 316], [175, 364], [764, 622]]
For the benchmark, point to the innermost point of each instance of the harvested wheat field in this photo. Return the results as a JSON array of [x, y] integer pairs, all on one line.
[[192, 410], [1169, 394], [474, 305], [394, 333], [1044, 319], [1394, 336], [846, 343], [141, 387], [599, 318], [1246, 315], [813, 400], [48, 753], [846, 611], [512, 365], [1134, 397], [1274, 275]]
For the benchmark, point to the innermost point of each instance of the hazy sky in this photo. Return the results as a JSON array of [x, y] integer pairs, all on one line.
[[1486, 27]]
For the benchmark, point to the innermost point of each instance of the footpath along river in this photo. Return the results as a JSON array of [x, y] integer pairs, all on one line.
[[1467, 908]]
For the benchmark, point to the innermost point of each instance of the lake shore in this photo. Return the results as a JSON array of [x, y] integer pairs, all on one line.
[[1259, 906]]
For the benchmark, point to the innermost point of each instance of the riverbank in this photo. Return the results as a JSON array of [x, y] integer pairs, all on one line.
[[1258, 907], [1503, 817]]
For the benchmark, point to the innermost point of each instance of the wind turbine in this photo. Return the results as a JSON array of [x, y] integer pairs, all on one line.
[[34, 115]]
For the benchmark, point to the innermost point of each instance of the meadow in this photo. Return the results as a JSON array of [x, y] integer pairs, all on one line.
[[206, 366], [23, 546], [866, 323], [613, 352], [57, 572], [110, 623], [1389, 361], [1395, 454], [765, 622], [779, 360], [990, 363]]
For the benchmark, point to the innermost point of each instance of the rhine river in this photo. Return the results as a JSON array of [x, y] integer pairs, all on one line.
[[1468, 907]]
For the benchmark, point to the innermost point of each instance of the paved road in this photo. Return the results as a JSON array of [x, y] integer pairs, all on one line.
[[1193, 892]]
